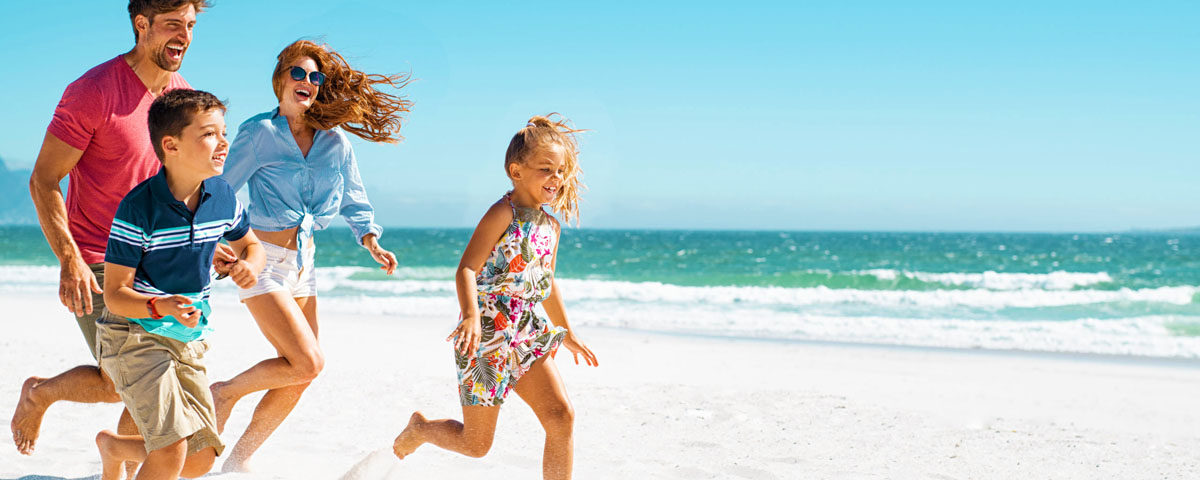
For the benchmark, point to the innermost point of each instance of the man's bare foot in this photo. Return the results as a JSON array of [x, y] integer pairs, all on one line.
[[111, 467], [411, 438], [27, 419], [222, 404]]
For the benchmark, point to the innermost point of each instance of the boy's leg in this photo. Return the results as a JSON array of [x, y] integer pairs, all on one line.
[[169, 462], [542, 389]]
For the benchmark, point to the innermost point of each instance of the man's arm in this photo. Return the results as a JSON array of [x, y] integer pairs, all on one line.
[[54, 161]]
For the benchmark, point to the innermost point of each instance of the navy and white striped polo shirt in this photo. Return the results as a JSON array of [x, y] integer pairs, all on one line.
[[171, 247]]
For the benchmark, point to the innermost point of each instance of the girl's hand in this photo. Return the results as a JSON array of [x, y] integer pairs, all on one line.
[[468, 333], [180, 307], [577, 348]]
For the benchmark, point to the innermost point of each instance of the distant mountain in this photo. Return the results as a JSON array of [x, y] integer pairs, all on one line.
[[16, 207]]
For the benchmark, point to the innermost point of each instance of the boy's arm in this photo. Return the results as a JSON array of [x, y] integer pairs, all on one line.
[[251, 259], [121, 299]]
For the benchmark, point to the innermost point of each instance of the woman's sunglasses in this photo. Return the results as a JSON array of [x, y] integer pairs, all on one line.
[[316, 78]]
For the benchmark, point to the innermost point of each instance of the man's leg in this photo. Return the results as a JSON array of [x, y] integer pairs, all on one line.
[[82, 384]]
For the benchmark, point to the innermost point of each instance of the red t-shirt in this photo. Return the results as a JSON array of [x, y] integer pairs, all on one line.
[[103, 113]]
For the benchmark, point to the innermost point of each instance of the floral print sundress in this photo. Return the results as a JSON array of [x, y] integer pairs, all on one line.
[[516, 277]]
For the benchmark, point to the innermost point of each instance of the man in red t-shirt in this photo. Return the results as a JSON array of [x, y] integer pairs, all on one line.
[[99, 135]]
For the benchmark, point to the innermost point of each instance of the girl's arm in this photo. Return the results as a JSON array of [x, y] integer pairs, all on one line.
[[487, 233], [119, 298], [558, 314]]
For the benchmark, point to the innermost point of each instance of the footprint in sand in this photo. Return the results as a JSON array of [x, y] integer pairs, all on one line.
[[378, 465]]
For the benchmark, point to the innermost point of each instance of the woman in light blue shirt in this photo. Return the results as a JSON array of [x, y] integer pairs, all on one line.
[[301, 170]]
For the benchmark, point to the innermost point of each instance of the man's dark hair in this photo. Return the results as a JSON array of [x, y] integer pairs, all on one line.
[[173, 111], [150, 8]]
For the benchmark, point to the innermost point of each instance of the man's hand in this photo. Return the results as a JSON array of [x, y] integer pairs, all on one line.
[[76, 282]]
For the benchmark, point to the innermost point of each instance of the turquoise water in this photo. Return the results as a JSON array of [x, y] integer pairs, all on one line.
[[1104, 293]]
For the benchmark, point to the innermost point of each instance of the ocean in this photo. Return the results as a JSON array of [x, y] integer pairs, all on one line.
[[1127, 294]]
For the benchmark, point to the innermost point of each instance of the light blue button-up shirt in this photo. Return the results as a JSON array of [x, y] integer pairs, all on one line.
[[289, 190]]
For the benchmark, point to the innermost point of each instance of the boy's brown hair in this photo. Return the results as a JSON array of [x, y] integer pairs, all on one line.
[[174, 110]]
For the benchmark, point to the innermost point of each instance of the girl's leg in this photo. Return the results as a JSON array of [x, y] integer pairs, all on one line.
[[542, 389], [275, 405], [285, 325], [472, 437]]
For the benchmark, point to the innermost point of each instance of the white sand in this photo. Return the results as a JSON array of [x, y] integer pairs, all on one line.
[[665, 406]]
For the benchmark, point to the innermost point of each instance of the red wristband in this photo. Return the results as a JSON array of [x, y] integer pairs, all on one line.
[[150, 307]]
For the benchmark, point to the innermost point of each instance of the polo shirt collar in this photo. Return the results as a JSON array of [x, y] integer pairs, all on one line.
[[158, 185]]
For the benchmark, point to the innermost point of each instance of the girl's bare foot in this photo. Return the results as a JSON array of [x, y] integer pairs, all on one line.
[[27, 419], [411, 438]]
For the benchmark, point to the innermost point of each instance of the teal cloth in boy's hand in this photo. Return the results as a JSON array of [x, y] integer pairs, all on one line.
[[170, 327]]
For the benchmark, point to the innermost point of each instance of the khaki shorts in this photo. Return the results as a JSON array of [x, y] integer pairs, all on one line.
[[162, 382]]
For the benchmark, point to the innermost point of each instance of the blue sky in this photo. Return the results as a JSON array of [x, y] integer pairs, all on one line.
[[1032, 116]]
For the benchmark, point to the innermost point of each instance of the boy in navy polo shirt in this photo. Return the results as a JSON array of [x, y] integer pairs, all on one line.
[[157, 273]]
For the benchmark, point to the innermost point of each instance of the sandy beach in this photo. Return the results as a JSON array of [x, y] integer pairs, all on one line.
[[667, 406]]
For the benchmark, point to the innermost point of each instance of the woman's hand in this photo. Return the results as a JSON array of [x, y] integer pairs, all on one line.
[[386, 259], [578, 348], [468, 333]]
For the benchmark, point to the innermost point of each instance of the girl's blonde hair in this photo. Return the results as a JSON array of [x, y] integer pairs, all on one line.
[[349, 98], [540, 133]]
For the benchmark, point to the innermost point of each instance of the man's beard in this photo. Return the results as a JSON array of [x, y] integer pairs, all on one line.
[[164, 62]]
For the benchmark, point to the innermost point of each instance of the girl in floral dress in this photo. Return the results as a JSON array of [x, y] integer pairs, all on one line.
[[501, 343]]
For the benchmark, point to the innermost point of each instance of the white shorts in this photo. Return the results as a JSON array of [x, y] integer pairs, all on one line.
[[281, 275]]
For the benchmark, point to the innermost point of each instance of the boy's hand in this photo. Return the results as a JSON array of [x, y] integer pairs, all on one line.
[[223, 259], [468, 333], [242, 275], [180, 307]]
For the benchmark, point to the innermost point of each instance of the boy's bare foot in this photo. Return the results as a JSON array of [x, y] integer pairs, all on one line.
[[411, 438], [222, 404], [27, 419], [111, 466]]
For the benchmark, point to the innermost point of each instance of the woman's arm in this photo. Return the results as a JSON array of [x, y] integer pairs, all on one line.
[[487, 233], [242, 160], [360, 215]]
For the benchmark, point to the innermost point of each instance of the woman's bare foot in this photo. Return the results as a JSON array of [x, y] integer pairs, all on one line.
[[222, 404], [411, 438], [112, 467], [236, 465], [27, 419]]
